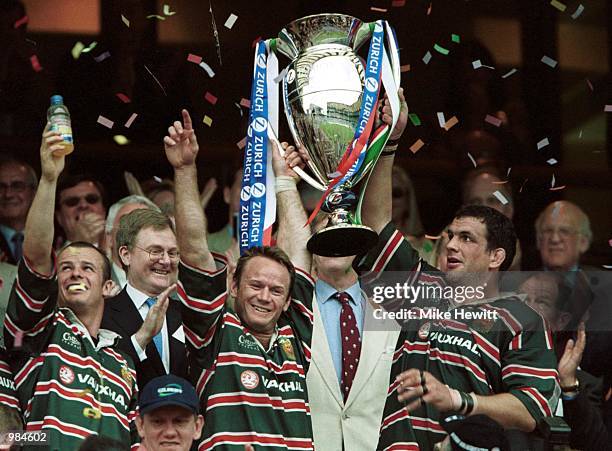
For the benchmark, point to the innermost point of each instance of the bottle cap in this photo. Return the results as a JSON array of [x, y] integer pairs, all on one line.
[[57, 100]]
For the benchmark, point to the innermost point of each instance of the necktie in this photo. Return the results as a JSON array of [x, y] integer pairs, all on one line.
[[157, 339], [18, 245], [351, 343]]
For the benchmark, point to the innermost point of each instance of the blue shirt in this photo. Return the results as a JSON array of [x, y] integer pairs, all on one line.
[[8, 237], [330, 309]]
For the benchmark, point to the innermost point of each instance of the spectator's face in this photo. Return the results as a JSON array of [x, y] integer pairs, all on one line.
[[559, 240], [231, 195], [126, 209], [80, 274], [480, 192], [262, 293], [146, 272], [170, 428], [542, 295], [77, 200], [16, 193], [467, 254]]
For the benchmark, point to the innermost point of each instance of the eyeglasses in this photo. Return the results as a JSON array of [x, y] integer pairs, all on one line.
[[73, 201], [16, 187], [563, 232], [157, 253]]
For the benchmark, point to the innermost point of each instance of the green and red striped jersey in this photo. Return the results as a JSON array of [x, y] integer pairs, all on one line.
[[248, 395], [8, 393], [67, 386]]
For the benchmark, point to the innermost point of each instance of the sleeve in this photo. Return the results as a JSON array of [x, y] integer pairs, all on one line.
[[300, 311], [528, 362], [588, 429], [8, 393], [31, 307], [203, 295], [140, 353]]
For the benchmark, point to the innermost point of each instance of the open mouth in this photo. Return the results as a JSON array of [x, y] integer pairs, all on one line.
[[453, 262], [76, 287], [260, 309], [161, 272]]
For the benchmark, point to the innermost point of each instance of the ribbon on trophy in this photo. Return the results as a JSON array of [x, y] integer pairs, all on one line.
[[257, 195], [378, 71]]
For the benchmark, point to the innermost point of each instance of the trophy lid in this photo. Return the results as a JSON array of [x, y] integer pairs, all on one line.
[[317, 29]]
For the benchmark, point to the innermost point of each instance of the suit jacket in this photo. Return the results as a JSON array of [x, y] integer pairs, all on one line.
[[5, 251], [121, 316], [355, 425]]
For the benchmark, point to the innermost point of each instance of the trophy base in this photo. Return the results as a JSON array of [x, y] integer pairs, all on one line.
[[342, 240]]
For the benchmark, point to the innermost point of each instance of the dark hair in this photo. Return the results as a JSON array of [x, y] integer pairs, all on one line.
[[71, 180], [100, 443], [500, 231], [273, 253], [106, 267], [31, 173]]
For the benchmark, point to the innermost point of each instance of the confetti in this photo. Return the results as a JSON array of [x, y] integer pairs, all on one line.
[[239, 109], [102, 57], [610, 242], [433, 237], [35, 63], [130, 120], [493, 120], [476, 64], [121, 140], [427, 58], [440, 49], [580, 135], [509, 73], [77, 49], [20, 22], [207, 120], [105, 122], [241, 143], [429, 9], [451, 123], [398, 3], [245, 102], [549, 61], [608, 109], [558, 5], [589, 84], [455, 38], [523, 186], [121, 96], [215, 32], [551, 161], [500, 183], [500, 197], [194, 58], [125, 20], [90, 47], [441, 119], [543, 143], [414, 118], [156, 80], [603, 266], [417, 146], [557, 188], [578, 12], [156, 16], [405, 68], [378, 10], [207, 68], [472, 159], [231, 20], [210, 98], [553, 181], [167, 11], [157, 179]]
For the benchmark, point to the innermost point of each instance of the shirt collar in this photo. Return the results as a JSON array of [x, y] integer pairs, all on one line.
[[106, 338], [8, 232], [325, 292], [137, 296]]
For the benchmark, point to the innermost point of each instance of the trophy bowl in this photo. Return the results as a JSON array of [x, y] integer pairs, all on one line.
[[323, 90]]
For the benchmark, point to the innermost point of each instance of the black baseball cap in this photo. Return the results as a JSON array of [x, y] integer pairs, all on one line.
[[168, 390]]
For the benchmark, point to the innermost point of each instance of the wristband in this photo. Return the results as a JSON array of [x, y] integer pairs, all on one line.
[[392, 142], [572, 388], [284, 183], [455, 399]]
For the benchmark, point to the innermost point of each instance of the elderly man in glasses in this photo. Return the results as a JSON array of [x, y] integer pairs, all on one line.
[[151, 332], [80, 208]]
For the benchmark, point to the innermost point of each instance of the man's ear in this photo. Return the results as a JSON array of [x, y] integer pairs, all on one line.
[[497, 257], [583, 243], [287, 304], [199, 424], [108, 288], [227, 194], [234, 288], [125, 255], [140, 427]]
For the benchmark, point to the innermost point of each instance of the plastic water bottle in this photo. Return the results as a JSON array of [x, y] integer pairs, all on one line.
[[59, 118]]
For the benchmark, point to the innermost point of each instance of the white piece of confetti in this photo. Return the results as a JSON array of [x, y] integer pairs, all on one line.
[[206, 67], [549, 61], [551, 161], [105, 122], [90, 47], [500, 197], [476, 64], [102, 57], [578, 12], [125, 20], [131, 120], [608, 109], [543, 143], [553, 181], [441, 119], [239, 108], [472, 159], [580, 135], [427, 58], [493, 120], [231, 20], [167, 11], [215, 32], [157, 179], [510, 73]]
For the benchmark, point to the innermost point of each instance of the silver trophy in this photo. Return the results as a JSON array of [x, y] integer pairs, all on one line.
[[323, 90]]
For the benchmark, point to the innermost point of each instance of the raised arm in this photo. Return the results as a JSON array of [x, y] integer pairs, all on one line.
[[293, 233], [376, 208], [38, 236], [181, 147]]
